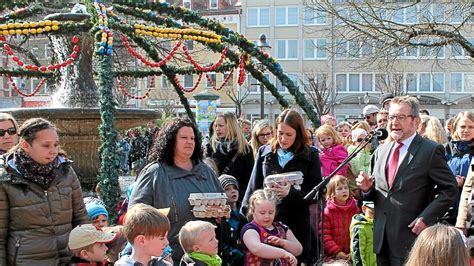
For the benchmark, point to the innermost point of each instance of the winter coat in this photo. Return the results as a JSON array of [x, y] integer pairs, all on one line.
[[293, 209], [35, 223], [362, 237], [241, 169], [165, 186], [331, 158], [361, 161], [337, 219]]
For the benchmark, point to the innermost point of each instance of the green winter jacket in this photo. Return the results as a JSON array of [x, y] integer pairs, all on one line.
[[361, 232], [35, 223]]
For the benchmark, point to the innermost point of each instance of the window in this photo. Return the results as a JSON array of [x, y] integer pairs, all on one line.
[[212, 76], [230, 82], [356, 82], [341, 48], [253, 84], [165, 83], [314, 17], [315, 49], [258, 17], [188, 81], [457, 82], [405, 15], [286, 49], [341, 82], [213, 4], [187, 4], [293, 77], [286, 16], [353, 49], [458, 51], [425, 82], [189, 44]]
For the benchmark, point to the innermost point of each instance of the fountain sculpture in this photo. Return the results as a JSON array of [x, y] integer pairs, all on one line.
[[79, 119]]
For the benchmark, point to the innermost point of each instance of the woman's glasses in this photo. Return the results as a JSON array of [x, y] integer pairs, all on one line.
[[265, 135], [10, 131]]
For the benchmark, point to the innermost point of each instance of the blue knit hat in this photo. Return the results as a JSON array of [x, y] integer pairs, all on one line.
[[94, 209]]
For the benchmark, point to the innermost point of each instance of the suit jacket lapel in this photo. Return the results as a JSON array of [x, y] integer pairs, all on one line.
[[385, 154], [414, 146]]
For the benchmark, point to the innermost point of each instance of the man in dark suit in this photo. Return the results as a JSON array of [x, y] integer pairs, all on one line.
[[405, 172]]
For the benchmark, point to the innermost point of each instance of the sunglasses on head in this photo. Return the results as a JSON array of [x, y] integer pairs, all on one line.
[[10, 131]]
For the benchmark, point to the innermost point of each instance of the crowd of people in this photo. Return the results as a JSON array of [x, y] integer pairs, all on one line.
[[401, 200]]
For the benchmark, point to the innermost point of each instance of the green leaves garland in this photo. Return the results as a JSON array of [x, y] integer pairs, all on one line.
[[108, 177], [230, 37]]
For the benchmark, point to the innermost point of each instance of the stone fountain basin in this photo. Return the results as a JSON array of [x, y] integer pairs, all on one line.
[[79, 132]]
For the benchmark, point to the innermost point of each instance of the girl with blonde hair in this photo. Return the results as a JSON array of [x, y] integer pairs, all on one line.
[[229, 149], [434, 131], [439, 245], [333, 152]]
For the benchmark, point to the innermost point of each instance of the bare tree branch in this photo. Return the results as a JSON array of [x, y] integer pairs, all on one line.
[[321, 96]]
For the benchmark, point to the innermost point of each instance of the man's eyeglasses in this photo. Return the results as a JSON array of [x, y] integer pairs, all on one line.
[[10, 131], [368, 116], [400, 118], [269, 134]]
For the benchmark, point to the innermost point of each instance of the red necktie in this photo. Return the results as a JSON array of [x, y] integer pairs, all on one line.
[[393, 164]]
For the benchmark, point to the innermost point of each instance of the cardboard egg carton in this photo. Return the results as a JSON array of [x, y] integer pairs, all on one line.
[[294, 178], [208, 199], [204, 211]]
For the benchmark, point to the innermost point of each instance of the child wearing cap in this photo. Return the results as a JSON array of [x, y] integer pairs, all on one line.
[[98, 214], [199, 242], [146, 229], [361, 232], [230, 248], [87, 243]]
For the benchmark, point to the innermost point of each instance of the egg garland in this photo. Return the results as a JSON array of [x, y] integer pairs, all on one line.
[[104, 46], [38, 87], [27, 28], [181, 34]]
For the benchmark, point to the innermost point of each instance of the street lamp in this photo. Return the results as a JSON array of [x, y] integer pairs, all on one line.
[[263, 46]]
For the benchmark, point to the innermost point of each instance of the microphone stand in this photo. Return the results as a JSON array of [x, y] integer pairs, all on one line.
[[318, 193]]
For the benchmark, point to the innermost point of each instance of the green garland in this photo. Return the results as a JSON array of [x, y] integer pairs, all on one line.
[[169, 71], [216, 48], [231, 37], [25, 73], [108, 178]]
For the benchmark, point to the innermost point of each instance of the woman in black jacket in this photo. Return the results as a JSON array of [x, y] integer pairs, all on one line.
[[289, 151], [230, 151]]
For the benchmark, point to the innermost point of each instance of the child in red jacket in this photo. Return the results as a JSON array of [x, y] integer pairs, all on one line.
[[340, 208]]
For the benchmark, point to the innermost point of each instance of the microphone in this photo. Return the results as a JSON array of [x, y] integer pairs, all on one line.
[[380, 133]]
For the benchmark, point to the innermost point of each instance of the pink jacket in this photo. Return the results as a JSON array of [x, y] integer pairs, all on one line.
[[337, 220], [332, 157]]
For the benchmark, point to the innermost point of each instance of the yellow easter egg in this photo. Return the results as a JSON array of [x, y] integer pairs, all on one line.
[[33, 24], [18, 25], [55, 27], [25, 31], [26, 25], [47, 22], [47, 28], [33, 31], [11, 25], [5, 32], [11, 32], [18, 32], [3, 27], [41, 23], [55, 23], [39, 30]]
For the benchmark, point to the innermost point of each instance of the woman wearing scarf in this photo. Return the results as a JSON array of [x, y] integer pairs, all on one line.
[[40, 199], [287, 152], [459, 152], [230, 151]]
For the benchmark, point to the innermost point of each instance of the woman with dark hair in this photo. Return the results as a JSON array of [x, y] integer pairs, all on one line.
[[40, 199], [175, 171], [229, 149], [287, 152]]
